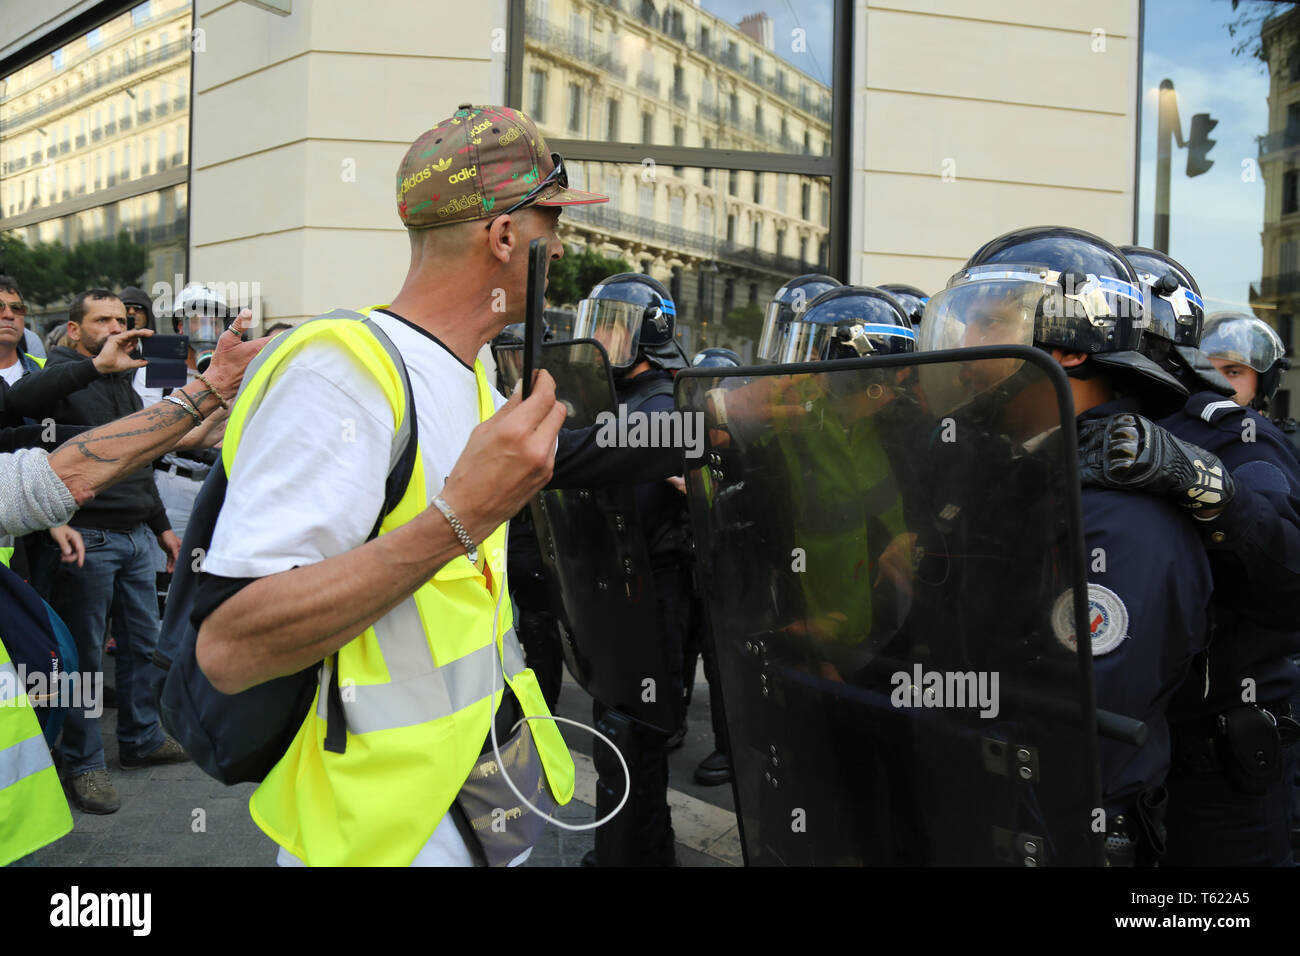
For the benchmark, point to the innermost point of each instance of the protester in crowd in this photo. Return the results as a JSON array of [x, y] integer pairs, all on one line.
[[120, 529], [40, 490]]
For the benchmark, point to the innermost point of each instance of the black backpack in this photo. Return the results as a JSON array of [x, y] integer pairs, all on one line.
[[238, 738]]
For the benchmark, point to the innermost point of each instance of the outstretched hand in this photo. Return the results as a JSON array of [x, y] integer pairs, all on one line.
[[117, 353]]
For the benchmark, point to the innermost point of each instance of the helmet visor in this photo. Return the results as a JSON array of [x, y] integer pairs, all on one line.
[[987, 308], [775, 329], [1244, 340], [806, 342], [615, 325], [510, 364], [203, 328]]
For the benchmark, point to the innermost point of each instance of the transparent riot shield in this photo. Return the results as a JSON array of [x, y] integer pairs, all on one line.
[[883, 546], [595, 560]]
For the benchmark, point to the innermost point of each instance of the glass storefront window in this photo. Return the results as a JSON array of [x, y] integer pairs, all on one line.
[[1219, 146], [55, 133], [676, 235], [741, 74]]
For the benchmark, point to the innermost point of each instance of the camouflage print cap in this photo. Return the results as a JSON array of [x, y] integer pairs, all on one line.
[[476, 165]]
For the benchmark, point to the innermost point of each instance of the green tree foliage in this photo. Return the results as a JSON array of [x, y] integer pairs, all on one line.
[[572, 277], [744, 323], [50, 272]]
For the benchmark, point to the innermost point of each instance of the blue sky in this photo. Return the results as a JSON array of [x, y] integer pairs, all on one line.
[[1216, 218], [815, 17]]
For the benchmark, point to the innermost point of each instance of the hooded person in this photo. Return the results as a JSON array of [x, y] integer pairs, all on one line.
[[139, 308]]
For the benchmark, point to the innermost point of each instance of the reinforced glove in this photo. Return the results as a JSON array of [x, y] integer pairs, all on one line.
[[1129, 452]]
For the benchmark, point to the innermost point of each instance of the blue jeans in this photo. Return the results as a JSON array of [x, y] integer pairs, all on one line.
[[119, 576]]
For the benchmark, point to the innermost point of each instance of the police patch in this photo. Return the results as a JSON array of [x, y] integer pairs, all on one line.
[[1107, 619]]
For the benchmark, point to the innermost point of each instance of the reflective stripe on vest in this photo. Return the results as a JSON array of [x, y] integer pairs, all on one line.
[[414, 686], [33, 810]]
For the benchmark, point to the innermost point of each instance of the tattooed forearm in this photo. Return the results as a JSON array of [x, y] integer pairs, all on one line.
[[103, 455], [156, 418]]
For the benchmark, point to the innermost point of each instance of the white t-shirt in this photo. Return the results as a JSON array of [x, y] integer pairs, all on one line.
[[13, 373], [312, 463]]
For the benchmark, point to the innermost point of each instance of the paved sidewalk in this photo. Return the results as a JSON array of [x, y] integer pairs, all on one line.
[[175, 815]]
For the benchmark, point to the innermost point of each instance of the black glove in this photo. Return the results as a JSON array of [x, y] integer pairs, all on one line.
[[1128, 452]]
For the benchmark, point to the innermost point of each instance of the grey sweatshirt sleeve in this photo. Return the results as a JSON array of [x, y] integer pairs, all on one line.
[[32, 497]]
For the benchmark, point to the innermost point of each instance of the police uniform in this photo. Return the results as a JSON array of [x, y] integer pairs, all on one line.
[[1148, 593], [1254, 550], [645, 836]]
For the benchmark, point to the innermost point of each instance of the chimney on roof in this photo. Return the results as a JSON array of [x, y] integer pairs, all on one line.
[[758, 27]]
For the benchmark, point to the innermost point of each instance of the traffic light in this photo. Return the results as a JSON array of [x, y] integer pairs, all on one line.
[[1199, 143]]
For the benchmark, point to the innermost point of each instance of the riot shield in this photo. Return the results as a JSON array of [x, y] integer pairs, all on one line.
[[884, 544], [583, 381], [596, 563]]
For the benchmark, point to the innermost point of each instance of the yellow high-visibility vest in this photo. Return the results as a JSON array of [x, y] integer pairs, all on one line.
[[33, 810], [414, 685]]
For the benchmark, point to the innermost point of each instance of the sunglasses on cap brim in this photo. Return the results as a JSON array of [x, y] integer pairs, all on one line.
[[557, 176]]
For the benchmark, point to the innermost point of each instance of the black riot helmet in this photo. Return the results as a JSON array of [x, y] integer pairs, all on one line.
[[1175, 316], [1247, 340], [1053, 286], [789, 302], [849, 322], [716, 358], [508, 350], [911, 298], [630, 314], [1175, 310]]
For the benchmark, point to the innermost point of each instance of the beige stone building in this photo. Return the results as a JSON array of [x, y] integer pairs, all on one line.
[[94, 136], [1276, 297]]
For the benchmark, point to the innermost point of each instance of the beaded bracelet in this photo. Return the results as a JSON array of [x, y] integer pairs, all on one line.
[[215, 394]]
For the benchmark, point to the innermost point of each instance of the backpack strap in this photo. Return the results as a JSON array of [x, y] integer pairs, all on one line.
[[401, 465]]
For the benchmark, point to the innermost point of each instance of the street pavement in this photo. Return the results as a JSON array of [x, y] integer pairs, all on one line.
[[175, 815]]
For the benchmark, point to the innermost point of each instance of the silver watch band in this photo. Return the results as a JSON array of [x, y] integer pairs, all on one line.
[[471, 550]]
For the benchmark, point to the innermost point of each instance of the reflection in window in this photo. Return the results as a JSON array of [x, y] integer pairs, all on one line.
[[538, 98], [679, 231], [575, 108]]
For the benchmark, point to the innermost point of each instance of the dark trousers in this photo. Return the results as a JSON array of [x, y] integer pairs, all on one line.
[[118, 576], [642, 833], [699, 643], [1212, 824]]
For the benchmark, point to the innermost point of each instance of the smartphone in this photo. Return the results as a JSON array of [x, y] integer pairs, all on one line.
[[166, 356], [535, 307]]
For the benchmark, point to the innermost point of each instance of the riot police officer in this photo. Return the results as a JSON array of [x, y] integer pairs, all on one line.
[[634, 317], [790, 301], [715, 769], [1227, 805], [1074, 295], [1251, 356]]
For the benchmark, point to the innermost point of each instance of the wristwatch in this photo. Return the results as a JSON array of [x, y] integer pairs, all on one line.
[[471, 549]]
